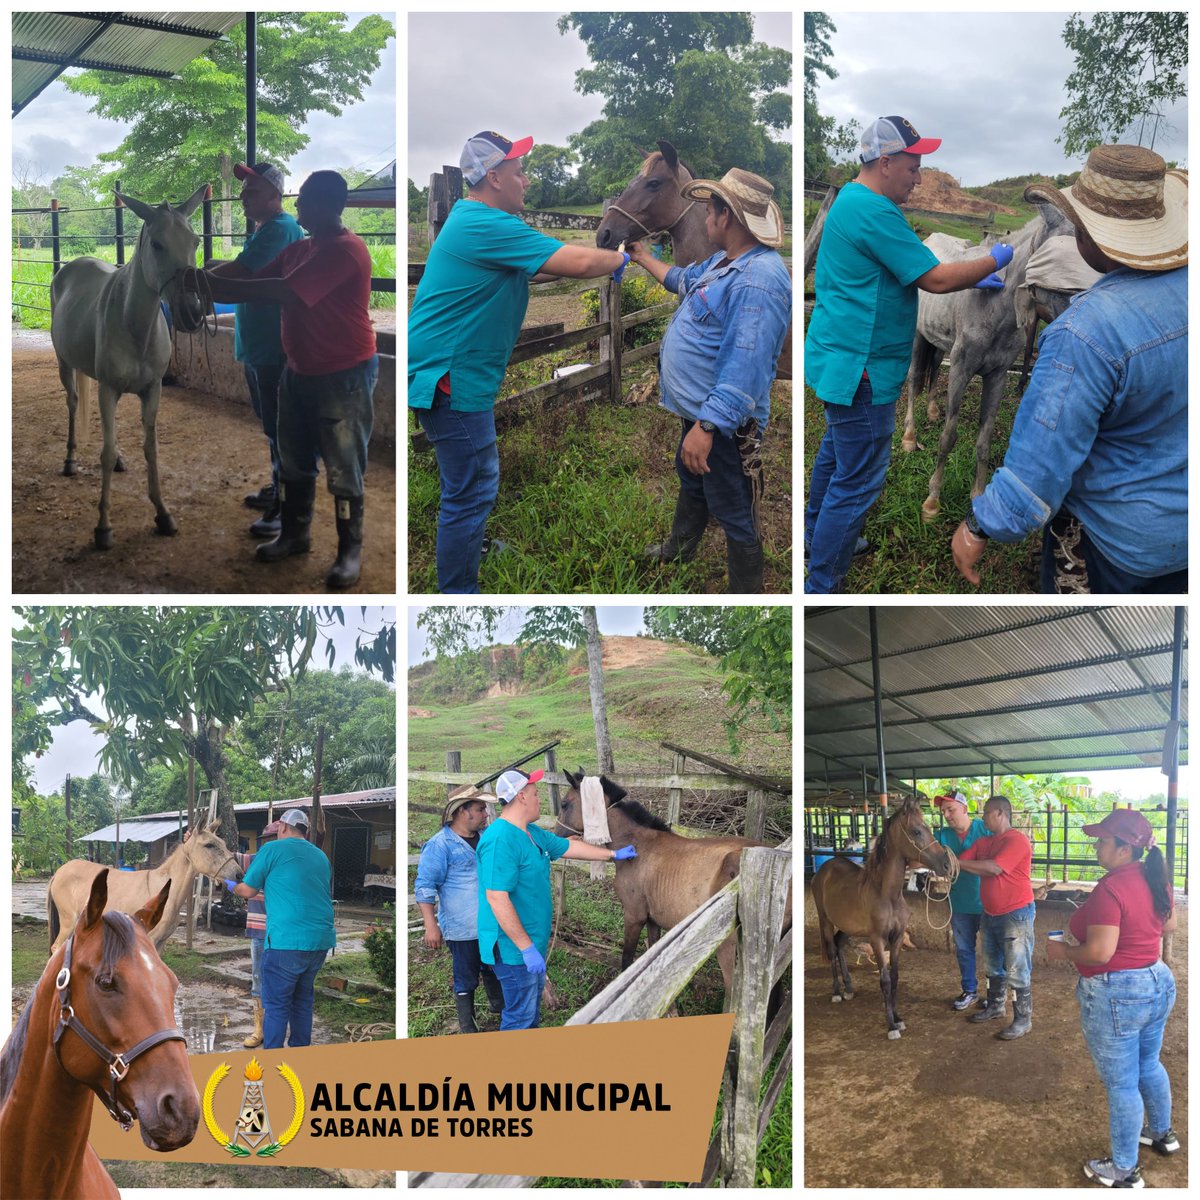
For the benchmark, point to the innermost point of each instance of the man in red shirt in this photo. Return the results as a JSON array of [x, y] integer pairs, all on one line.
[[323, 285], [1002, 861]]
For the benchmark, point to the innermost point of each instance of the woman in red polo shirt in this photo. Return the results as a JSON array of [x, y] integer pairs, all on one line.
[[1125, 990]]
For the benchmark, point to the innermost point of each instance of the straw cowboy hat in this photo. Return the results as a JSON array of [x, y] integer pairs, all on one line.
[[1132, 207], [749, 196], [464, 795]]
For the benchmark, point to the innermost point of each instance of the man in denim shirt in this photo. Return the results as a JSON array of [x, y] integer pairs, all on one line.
[[447, 876], [716, 367], [1098, 453]]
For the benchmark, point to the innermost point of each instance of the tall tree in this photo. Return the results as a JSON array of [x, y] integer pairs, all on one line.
[[549, 171], [823, 136], [1129, 67]]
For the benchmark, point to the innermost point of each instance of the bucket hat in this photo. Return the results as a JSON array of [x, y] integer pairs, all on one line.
[[749, 196]]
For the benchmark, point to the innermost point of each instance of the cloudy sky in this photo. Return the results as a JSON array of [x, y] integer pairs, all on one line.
[[989, 85], [513, 72], [57, 131]]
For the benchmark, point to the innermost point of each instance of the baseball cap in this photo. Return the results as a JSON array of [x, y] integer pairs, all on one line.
[[487, 150], [1125, 824], [511, 782], [893, 135], [294, 817], [271, 830], [262, 170], [957, 798]]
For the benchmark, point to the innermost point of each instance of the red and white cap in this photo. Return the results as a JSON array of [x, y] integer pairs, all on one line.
[[956, 798], [512, 781], [486, 151], [893, 135]]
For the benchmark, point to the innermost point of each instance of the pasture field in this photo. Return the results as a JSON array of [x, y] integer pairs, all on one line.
[[1030, 1111]]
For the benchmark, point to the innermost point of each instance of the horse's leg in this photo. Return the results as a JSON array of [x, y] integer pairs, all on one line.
[[955, 387], [67, 375], [842, 941], [653, 932], [908, 442], [163, 521], [993, 389], [633, 931], [932, 412], [894, 945], [108, 457], [879, 948]]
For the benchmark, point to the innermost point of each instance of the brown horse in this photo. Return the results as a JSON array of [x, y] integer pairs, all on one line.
[[203, 853], [101, 1022], [868, 902], [671, 875]]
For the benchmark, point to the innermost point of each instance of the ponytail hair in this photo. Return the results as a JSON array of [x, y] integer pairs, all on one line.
[[1155, 871]]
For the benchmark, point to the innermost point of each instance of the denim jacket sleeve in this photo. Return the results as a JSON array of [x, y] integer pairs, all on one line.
[[431, 871], [681, 280], [1072, 384]]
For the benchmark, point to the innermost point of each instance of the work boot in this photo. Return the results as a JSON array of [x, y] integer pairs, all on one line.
[[296, 498], [268, 525], [263, 498], [687, 528], [252, 1040], [344, 573], [745, 568], [495, 995], [995, 1002], [464, 1002], [1022, 1021]]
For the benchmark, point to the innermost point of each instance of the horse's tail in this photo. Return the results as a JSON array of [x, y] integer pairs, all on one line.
[[927, 358], [52, 917]]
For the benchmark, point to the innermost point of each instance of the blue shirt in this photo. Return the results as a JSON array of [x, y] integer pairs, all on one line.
[[256, 336], [516, 861], [295, 878], [866, 310], [964, 894], [721, 346], [447, 875], [1103, 428], [470, 303]]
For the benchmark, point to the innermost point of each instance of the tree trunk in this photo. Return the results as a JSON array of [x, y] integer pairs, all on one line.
[[596, 689], [210, 754]]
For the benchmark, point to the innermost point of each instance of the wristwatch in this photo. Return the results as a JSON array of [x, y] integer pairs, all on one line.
[[708, 427], [973, 524]]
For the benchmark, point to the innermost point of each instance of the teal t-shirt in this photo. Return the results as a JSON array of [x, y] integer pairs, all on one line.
[[256, 336], [517, 861], [964, 895], [470, 303], [866, 310], [295, 877]]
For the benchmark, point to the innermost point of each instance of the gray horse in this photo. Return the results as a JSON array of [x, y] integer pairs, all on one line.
[[984, 332]]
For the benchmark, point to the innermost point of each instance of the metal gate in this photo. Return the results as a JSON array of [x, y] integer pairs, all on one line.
[[351, 855]]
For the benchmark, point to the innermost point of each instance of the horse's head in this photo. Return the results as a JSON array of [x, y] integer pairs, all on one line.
[[121, 992], [209, 855], [167, 246], [651, 201], [916, 840], [570, 806]]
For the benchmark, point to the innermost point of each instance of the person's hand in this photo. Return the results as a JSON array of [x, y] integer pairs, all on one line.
[[990, 281], [1002, 252], [433, 938], [1057, 951], [621, 269], [967, 549], [695, 450], [624, 853], [230, 884], [535, 964], [640, 253]]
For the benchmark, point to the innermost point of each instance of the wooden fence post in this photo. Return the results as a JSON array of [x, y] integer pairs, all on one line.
[[812, 239], [756, 814], [445, 190], [453, 763], [552, 769], [611, 342], [675, 796]]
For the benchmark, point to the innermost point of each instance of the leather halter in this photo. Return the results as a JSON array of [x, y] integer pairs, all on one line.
[[614, 207], [118, 1064]]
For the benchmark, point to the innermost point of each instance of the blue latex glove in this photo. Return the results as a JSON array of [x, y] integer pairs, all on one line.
[[230, 884], [624, 853], [621, 269], [535, 964], [990, 281], [1002, 252]]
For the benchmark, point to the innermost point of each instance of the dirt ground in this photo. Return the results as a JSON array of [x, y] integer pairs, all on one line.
[[53, 516], [949, 1105]]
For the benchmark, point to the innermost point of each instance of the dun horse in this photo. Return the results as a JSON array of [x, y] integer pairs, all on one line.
[[101, 1022], [671, 875], [201, 854], [868, 901], [107, 325]]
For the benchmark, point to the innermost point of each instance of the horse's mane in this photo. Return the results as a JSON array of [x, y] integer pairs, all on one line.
[[640, 815], [655, 157], [878, 855], [14, 1048]]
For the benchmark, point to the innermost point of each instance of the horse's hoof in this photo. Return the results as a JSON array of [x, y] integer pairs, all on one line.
[[901, 1026], [836, 999], [119, 465], [930, 509], [164, 523], [104, 539], [69, 467], [908, 444], [893, 1035], [849, 995]]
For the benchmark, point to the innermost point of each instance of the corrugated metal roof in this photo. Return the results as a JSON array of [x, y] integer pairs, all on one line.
[[1025, 689], [144, 43], [135, 830]]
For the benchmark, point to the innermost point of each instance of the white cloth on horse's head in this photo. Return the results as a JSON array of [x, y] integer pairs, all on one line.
[[595, 818], [1057, 264]]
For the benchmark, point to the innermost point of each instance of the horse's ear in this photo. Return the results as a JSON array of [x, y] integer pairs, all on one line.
[[570, 778], [644, 153], [670, 156], [190, 205], [152, 913], [138, 207], [215, 826], [97, 900]]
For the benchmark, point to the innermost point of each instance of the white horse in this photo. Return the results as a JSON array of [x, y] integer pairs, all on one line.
[[107, 325]]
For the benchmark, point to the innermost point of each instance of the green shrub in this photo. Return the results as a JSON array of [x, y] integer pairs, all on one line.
[[637, 292], [380, 945]]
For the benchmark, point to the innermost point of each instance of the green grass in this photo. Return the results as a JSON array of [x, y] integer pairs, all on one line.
[[30, 948]]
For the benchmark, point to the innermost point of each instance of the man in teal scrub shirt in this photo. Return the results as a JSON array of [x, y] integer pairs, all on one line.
[[464, 323], [960, 831], [515, 911], [859, 341]]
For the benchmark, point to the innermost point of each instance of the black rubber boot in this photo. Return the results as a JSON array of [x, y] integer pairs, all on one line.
[[296, 498], [495, 993], [995, 1002], [345, 572], [269, 524], [745, 567], [464, 1003], [1022, 1021], [691, 517]]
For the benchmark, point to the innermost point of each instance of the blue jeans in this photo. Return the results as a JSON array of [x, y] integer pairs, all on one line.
[[1008, 946], [469, 467], [263, 381], [847, 478], [328, 418], [287, 983], [1105, 577], [726, 489], [466, 965], [522, 996], [1123, 1014], [256, 953], [965, 927]]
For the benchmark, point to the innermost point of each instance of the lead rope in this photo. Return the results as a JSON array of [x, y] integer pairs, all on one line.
[[949, 878], [655, 232]]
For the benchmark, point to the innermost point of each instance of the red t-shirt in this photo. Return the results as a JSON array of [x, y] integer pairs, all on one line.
[[1010, 890], [1122, 898], [330, 330]]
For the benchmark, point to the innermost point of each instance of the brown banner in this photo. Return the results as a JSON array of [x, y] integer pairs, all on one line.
[[633, 1100]]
